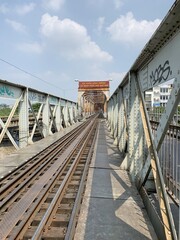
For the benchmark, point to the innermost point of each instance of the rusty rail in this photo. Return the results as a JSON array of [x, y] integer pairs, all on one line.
[[32, 208]]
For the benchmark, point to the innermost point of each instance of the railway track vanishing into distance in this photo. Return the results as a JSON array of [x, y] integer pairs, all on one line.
[[41, 198]]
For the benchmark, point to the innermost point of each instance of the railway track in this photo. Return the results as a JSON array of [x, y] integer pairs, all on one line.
[[41, 199]]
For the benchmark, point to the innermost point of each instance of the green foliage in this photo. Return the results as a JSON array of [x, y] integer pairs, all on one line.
[[36, 107], [5, 111]]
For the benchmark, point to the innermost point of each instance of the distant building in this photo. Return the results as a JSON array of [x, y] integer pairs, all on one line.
[[158, 96], [165, 92]]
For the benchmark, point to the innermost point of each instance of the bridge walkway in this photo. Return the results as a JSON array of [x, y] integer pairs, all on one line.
[[112, 207]]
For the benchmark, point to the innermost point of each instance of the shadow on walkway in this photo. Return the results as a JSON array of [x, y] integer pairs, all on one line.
[[111, 208]]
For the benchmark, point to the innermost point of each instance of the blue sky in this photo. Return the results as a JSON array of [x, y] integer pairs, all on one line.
[[59, 41]]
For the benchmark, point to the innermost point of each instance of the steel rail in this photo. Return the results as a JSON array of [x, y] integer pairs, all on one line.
[[27, 182], [45, 222], [34, 167], [40, 154], [20, 232], [37, 209], [76, 208], [4, 232]]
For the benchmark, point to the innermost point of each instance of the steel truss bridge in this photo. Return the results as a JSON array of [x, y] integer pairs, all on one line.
[[54, 113], [151, 149]]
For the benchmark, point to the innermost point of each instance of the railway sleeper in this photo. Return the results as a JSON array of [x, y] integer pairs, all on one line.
[[59, 220], [79, 168], [75, 181], [81, 165], [63, 208], [75, 178], [78, 173], [72, 188], [52, 233], [69, 196], [68, 201]]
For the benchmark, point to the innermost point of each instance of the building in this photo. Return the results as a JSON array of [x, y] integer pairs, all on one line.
[[158, 96]]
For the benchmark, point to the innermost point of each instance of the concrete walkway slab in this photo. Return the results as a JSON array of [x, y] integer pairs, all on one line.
[[113, 184], [111, 207]]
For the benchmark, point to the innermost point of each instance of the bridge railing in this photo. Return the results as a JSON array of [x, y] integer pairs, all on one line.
[[130, 123], [169, 158], [53, 114], [155, 114]]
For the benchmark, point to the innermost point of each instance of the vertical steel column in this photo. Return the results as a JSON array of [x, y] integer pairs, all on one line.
[[116, 102], [109, 115], [46, 118], [105, 108], [58, 116], [66, 115], [122, 125], [24, 120], [135, 160], [131, 101], [80, 107], [113, 116], [76, 111], [71, 114]]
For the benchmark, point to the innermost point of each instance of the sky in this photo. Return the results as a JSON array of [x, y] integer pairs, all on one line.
[[48, 44]]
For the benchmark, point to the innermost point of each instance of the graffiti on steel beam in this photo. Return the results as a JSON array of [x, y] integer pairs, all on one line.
[[161, 73], [53, 100], [4, 90], [33, 96]]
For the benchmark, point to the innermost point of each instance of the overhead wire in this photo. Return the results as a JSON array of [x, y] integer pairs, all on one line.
[[31, 74]]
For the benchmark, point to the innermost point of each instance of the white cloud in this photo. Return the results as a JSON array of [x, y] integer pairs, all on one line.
[[100, 23], [53, 4], [19, 9], [30, 47], [24, 9], [4, 9], [118, 4], [70, 39], [17, 26], [127, 29]]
